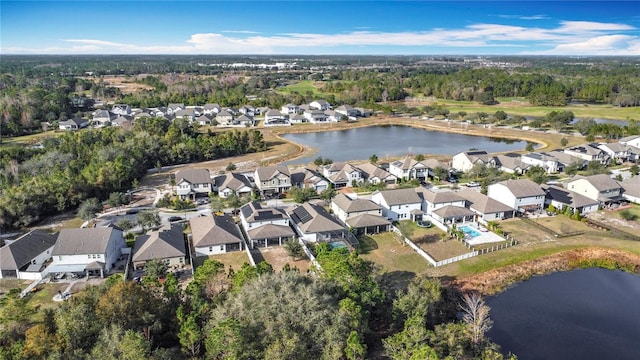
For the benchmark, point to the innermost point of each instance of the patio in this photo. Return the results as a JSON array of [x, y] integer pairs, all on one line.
[[479, 235]]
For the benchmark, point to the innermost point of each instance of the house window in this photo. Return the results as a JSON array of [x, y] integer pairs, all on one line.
[[210, 248], [59, 258], [221, 247], [89, 256]]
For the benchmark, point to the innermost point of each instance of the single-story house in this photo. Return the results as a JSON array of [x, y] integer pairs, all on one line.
[[314, 224], [212, 235], [561, 198], [24, 257], [452, 214], [232, 183], [73, 124], [166, 244], [486, 208]]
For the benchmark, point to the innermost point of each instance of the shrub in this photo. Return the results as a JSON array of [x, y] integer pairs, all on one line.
[[628, 215]]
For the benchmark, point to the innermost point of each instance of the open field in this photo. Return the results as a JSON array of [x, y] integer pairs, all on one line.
[[386, 250], [302, 87], [613, 217], [562, 224], [277, 257]]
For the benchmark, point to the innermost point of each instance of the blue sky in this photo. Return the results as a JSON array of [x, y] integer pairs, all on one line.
[[321, 27]]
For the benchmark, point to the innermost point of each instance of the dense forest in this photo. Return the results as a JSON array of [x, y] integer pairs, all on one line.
[[38, 182], [35, 90], [348, 310]]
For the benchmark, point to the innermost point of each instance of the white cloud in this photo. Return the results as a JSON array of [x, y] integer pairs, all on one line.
[[522, 17], [569, 37]]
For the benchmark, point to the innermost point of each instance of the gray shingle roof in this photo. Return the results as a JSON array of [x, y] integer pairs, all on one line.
[[233, 181], [214, 230], [523, 188], [453, 211], [601, 181], [83, 241], [254, 212], [20, 252], [268, 172], [193, 176], [631, 186], [482, 203], [439, 197], [400, 196], [369, 171], [166, 242], [350, 205], [365, 220], [312, 218], [270, 231], [568, 197]]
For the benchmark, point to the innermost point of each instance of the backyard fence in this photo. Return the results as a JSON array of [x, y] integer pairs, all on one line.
[[551, 231], [613, 229], [424, 254]]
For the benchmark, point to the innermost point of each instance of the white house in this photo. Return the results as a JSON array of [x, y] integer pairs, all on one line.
[[398, 204], [191, 183], [185, 114], [24, 257], [172, 108], [102, 118], [315, 116], [225, 118], [73, 124], [599, 187], [434, 200], [297, 119], [617, 151], [121, 109], [409, 169], [211, 109], [465, 160], [547, 162], [511, 164], [265, 226], [87, 250], [290, 109], [588, 152], [166, 244], [561, 198], [320, 105], [361, 215], [348, 111], [275, 117], [523, 195], [212, 235], [631, 187], [314, 224], [231, 183]]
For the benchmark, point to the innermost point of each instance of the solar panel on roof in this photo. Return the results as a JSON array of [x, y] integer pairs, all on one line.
[[302, 214]]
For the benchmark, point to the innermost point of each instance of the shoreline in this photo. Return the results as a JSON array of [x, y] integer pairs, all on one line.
[[495, 281]]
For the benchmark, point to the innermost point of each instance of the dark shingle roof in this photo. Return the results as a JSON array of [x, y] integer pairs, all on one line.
[[20, 252], [214, 230], [83, 241], [193, 176], [167, 242]]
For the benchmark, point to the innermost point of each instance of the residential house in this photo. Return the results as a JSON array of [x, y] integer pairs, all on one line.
[[523, 195], [320, 105], [333, 116], [212, 235], [486, 208], [102, 118], [248, 110], [588, 152], [633, 140], [347, 110], [433, 200], [544, 160], [399, 204], [272, 180], [166, 244], [432, 165], [224, 118], [373, 174], [91, 251], [211, 109], [231, 183], [304, 178], [314, 224], [566, 160], [290, 109], [24, 257], [631, 187], [297, 119], [511, 164], [561, 198], [73, 124], [618, 152], [599, 187], [315, 116], [172, 108], [275, 117], [362, 112], [466, 160], [244, 120], [265, 226], [203, 120], [121, 109], [451, 214], [192, 183], [409, 169], [123, 121], [342, 174], [361, 215], [185, 114]]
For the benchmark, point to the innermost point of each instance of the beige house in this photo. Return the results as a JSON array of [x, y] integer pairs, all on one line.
[[212, 235], [273, 179], [166, 244]]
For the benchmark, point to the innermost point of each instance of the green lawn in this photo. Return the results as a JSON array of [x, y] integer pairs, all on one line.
[[301, 88], [516, 107], [29, 139], [391, 254], [562, 224]]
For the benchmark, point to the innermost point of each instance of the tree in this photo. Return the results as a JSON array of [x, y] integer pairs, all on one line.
[[634, 169], [537, 174], [418, 157], [328, 194], [125, 224], [155, 269], [530, 147], [564, 141], [230, 167], [476, 316], [149, 219], [294, 249], [117, 199], [500, 115], [89, 208], [373, 159]]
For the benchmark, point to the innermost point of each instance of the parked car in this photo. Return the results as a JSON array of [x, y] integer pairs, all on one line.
[[175, 218]]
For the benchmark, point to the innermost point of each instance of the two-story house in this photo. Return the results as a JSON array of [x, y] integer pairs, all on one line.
[[231, 183], [466, 160], [321, 105], [315, 116], [362, 215], [547, 162], [618, 152], [409, 169], [275, 117], [24, 257], [265, 226], [290, 109], [314, 224], [192, 183], [92, 251], [399, 204], [305, 178], [599, 187], [433, 200], [376, 175], [486, 208], [272, 180], [588, 152], [342, 174], [523, 195]]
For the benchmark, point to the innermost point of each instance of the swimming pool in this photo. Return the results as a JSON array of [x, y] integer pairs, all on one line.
[[470, 231]]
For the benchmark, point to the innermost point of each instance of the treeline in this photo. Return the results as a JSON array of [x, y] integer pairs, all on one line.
[[79, 165], [347, 311]]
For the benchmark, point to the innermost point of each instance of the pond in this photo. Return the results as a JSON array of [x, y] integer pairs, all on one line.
[[393, 140], [582, 314]]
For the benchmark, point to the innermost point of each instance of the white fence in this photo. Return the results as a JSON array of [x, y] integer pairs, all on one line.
[[309, 254]]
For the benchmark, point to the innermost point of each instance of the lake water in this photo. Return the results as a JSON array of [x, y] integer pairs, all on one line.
[[582, 314], [393, 140]]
